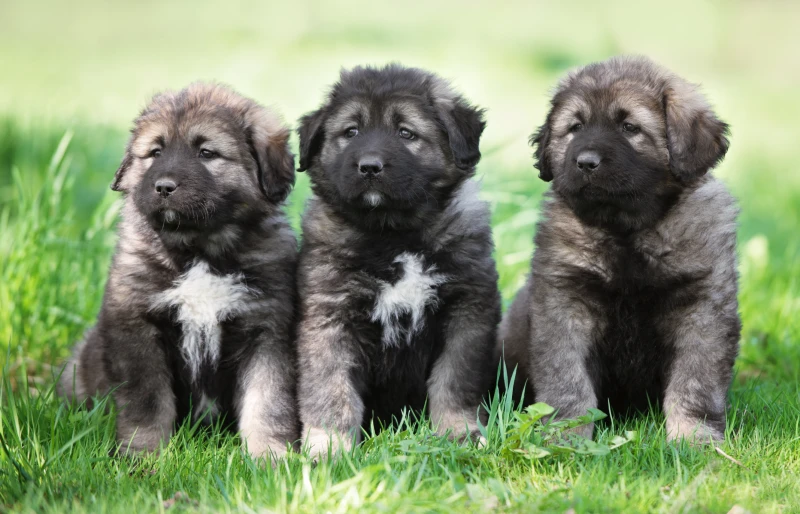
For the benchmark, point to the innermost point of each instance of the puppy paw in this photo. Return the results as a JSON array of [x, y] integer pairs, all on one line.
[[132, 448], [585, 431], [321, 443], [695, 432], [459, 426], [463, 436], [271, 449]]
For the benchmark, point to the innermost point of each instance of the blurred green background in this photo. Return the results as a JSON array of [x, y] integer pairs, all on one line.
[[74, 74]]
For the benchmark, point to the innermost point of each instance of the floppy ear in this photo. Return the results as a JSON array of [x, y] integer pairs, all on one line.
[[311, 134], [464, 125], [269, 145], [540, 140], [119, 176], [696, 138]]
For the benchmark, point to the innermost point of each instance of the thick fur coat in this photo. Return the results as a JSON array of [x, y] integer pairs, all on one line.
[[198, 311], [632, 293], [398, 289]]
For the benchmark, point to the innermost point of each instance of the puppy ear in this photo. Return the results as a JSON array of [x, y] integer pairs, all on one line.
[[119, 176], [269, 145], [464, 125], [311, 134], [696, 138], [540, 140]]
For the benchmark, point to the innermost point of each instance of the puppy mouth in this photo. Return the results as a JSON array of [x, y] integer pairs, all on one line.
[[597, 193], [592, 190], [170, 216], [369, 195], [173, 220], [372, 198]]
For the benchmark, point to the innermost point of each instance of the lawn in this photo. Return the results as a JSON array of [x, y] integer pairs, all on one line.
[[75, 74]]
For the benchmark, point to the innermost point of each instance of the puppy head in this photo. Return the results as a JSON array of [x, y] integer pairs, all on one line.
[[203, 159], [622, 138], [389, 145]]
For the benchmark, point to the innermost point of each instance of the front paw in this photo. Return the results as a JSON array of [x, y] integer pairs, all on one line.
[[133, 448], [459, 426], [694, 431], [585, 431], [261, 446], [320, 442], [141, 440]]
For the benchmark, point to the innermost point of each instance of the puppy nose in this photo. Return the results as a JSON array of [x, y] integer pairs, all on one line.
[[588, 160], [165, 186], [370, 166]]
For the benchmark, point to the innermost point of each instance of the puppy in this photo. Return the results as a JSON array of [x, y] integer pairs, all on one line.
[[398, 289], [632, 293], [198, 309]]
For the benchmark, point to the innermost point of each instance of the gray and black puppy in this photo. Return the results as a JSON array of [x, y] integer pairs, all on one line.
[[632, 292], [198, 309], [397, 284]]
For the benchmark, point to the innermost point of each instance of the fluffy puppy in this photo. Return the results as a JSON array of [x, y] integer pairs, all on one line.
[[632, 293], [198, 309], [398, 288]]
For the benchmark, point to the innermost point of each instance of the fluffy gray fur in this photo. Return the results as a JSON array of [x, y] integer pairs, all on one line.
[[199, 306], [632, 291], [398, 289]]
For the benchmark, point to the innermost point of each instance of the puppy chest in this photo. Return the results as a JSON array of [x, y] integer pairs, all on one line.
[[200, 300], [634, 267], [403, 304]]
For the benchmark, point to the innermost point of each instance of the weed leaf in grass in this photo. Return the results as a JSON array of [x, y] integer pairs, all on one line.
[[530, 437]]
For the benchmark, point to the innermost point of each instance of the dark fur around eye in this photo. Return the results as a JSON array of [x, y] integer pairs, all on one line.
[[630, 127], [407, 134]]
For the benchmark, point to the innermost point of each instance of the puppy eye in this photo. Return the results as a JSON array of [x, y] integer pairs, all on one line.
[[407, 134], [207, 154], [576, 128], [630, 127], [351, 132], [155, 153]]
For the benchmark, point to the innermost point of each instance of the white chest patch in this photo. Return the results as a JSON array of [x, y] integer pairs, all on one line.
[[400, 307], [202, 301]]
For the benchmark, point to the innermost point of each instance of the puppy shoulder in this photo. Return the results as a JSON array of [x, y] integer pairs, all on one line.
[[273, 250], [559, 227], [705, 210], [564, 245], [466, 217], [328, 242], [321, 225], [700, 231], [280, 231], [712, 194]]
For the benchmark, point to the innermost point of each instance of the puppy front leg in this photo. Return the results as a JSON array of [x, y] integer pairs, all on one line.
[[330, 387], [83, 376], [561, 339], [266, 404], [700, 374], [144, 396], [463, 372]]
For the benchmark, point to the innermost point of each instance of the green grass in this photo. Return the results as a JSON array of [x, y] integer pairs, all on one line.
[[67, 95]]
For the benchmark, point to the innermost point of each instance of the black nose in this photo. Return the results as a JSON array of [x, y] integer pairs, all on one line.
[[588, 160], [370, 166], [165, 186]]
